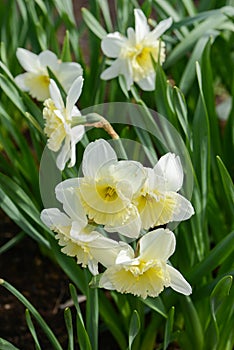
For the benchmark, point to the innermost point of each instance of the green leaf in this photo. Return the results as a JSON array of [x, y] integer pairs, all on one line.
[[215, 258], [217, 301], [46, 329], [13, 212], [12, 242], [134, 328], [215, 21], [104, 6], [193, 327], [66, 51], [82, 335], [220, 292], [92, 313], [69, 327], [93, 24], [227, 185], [112, 320], [169, 328], [156, 304], [6, 345], [32, 329]]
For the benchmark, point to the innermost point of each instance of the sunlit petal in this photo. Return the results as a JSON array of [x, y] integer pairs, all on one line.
[[170, 167], [28, 60], [73, 94], [159, 243], [96, 155], [141, 25], [111, 45], [178, 282]]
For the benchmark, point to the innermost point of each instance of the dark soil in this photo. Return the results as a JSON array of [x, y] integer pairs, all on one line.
[[40, 281], [44, 284]]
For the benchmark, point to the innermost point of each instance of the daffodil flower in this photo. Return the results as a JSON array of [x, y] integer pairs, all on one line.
[[107, 188], [145, 273], [158, 201], [58, 122], [36, 79], [135, 52], [77, 238]]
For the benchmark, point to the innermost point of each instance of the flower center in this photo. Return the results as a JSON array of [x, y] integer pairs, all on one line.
[[107, 193]]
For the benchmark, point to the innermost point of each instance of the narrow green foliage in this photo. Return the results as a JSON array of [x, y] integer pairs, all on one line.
[[82, 335], [134, 328], [69, 327], [46, 329], [93, 24], [32, 329]]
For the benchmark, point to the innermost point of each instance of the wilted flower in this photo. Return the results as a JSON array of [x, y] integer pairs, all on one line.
[[158, 201], [77, 238], [145, 273], [135, 52], [58, 125], [36, 80]]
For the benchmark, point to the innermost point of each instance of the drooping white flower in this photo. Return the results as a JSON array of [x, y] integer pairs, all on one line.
[[107, 188], [158, 202], [147, 273], [36, 78], [77, 238], [58, 122], [134, 53]]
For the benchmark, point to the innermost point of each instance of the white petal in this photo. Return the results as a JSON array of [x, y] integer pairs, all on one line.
[[93, 267], [67, 73], [48, 59], [76, 135], [53, 217], [20, 81], [96, 155], [63, 186], [141, 26], [74, 94], [126, 71], [104, 250], [131, 36], [130, 228], [112, 44], [148, 83], [64, 155], [105, 281], [183, 208], [72, 205], [77, 227], [113, 71], [56, 95], [77, 132], [170, 166], [161, 28], [132, 172], [178, 282], [157, 244], [125, 255], [28, 60]]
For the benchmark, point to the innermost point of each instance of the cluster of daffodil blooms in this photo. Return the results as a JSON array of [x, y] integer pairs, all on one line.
[[115, 201]]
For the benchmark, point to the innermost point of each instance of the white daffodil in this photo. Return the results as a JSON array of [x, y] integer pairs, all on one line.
[[147, 273], [158, 201], [135, 52], [58, 122], [107, 188], [75, 235], [36, 79]]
